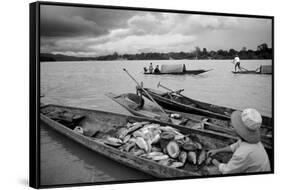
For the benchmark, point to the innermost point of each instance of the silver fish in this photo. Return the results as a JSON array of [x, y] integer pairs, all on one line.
[[122, 132], [152, 154], [155, 139], [138, 153], [176, 164], [202, 157], [142, 144], [165, 162], [115, 140], [183, 156], [191, 157], [129, 146], [126, 138], [162, 157], [135, 127]]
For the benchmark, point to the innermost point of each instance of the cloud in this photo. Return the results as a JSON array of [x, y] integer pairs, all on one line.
[[62, 21], [94, 32]]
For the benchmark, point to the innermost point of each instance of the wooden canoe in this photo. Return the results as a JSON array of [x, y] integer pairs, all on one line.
[[96, 123], [248, 72], [131, 102], [187, 72], [176, 102]]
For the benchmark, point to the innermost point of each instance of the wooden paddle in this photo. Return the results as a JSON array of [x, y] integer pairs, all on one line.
[[140, 86]]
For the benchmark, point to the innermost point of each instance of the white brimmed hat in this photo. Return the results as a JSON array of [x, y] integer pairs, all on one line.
[[247, 124]]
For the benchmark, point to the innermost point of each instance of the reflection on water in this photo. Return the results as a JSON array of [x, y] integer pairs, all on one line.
[[83, 84]]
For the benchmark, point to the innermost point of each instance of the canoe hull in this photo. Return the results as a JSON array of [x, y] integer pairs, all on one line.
[[146, 166], [250, 72], [195, 106], [187, 72]]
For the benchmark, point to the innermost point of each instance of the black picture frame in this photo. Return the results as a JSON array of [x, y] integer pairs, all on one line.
[[34, 91]]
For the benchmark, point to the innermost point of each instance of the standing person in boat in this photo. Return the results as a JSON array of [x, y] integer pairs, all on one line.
[[150, 68], [249, 154], [236, 61], [156, 70]]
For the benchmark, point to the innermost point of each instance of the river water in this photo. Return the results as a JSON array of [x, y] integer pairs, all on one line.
[[83, 84]]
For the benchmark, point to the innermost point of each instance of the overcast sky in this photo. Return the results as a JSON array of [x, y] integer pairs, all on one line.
[[94, 32]]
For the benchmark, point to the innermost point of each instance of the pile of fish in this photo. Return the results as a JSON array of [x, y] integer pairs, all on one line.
[[162, 144]]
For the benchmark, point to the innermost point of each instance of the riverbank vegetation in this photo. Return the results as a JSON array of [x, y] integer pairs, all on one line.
[[262, 52]]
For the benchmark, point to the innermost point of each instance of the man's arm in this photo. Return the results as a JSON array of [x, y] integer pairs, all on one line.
[[215, 151]]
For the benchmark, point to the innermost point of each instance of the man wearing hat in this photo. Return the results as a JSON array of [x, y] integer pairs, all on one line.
[[249, 154]]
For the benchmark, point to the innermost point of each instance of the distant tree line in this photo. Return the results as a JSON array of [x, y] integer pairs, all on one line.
[[262, 52]]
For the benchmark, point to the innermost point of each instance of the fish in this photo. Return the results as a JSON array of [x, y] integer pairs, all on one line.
[[149, 147], [167, 129], [202, 157], [153, 154], [183, 156], [78, 130], [155, 149], [142, 144], [187, 139], [122, 132], [165, 162], [173, 149], [189, 146], [198, 126], [152, 126], [114, 140], [191, 157], [179, 136], [129, 146], [132, 139], [155, 139], [128, 125], [138, 152], [208, 161], [176, 164], [135, 127], [111, 143], [137, 134], [198, 145], [126, 138], [161, 157]]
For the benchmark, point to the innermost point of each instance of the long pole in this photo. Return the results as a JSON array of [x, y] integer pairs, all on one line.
[[178, 91], [240, 67], [144, 90]]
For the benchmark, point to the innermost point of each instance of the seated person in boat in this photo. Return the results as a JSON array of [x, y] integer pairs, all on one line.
[[236, 61], [145, 70], [156, 70], [249, 154], [150, 68]]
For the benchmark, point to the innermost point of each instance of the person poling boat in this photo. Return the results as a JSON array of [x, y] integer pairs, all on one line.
[[236, 61], [249, 154]]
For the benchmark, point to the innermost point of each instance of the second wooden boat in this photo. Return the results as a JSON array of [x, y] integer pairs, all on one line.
[[131, 102], [178, 102]]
